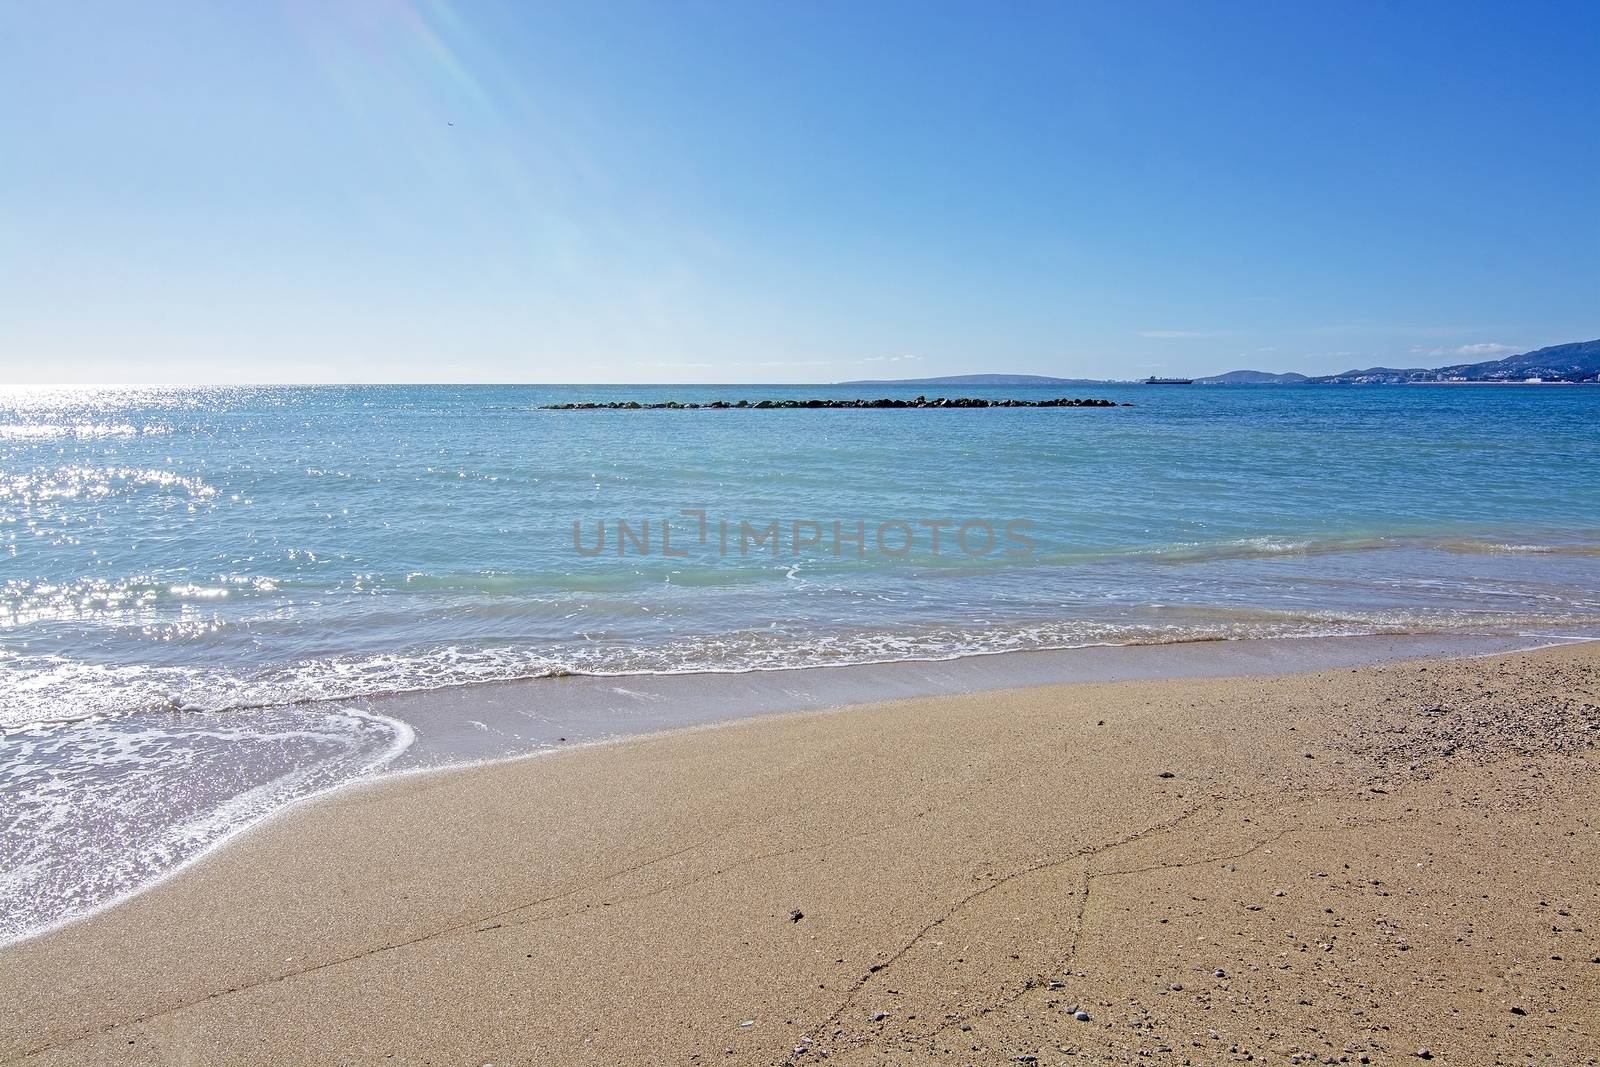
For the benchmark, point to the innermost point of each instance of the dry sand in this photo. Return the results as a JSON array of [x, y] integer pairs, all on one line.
[[1341, 867]]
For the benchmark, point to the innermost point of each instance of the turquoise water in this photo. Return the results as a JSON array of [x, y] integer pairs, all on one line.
[[188, 577], [223, 548]]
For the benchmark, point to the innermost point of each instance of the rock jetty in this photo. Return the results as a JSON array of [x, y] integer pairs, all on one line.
[[883, 402]]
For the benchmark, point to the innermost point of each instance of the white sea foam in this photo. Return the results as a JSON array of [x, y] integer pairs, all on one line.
[[96, 809], [46, 688]]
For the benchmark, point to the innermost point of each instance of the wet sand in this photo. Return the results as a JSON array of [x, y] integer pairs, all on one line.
[[1364, 862], [494, 720]]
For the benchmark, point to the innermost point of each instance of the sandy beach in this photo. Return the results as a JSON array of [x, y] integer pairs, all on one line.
[[611, 535], [1362, 865]]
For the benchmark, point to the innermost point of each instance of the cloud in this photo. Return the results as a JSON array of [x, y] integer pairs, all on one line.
[[1178, 335], [1484, 350], [1370, 330]]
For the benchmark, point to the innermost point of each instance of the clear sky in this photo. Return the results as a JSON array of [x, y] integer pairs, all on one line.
[[358, 190]]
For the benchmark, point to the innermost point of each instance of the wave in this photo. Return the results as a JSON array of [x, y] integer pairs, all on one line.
[[139, 599], [1259, 548], [1479, 546], [38, 689], [1269, 547], [109, 807], [83, 431]]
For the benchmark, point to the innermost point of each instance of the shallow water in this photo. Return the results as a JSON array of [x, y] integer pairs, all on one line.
[[168, 552]]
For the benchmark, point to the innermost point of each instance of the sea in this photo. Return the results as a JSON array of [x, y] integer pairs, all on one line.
[[207, 595]]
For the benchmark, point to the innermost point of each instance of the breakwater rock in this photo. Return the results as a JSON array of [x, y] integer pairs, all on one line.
[[883, 402]]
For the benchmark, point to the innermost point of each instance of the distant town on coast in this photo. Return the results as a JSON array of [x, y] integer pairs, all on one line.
[[1575, 363]]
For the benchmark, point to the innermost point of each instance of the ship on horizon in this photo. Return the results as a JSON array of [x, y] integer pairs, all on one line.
[[1168, 381]]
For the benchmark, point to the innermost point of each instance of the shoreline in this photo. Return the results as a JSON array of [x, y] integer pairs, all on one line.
[[366, 845], [489, 723], [504, 719]]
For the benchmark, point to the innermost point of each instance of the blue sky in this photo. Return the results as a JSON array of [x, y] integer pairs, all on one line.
[[324, 190]]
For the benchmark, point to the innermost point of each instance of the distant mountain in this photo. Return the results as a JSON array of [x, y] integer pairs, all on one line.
[[1252, 377], [1576, 362], [979, 379], [1377, 376]]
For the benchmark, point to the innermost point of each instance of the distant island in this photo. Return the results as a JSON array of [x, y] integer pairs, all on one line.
[[1253, 377]]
